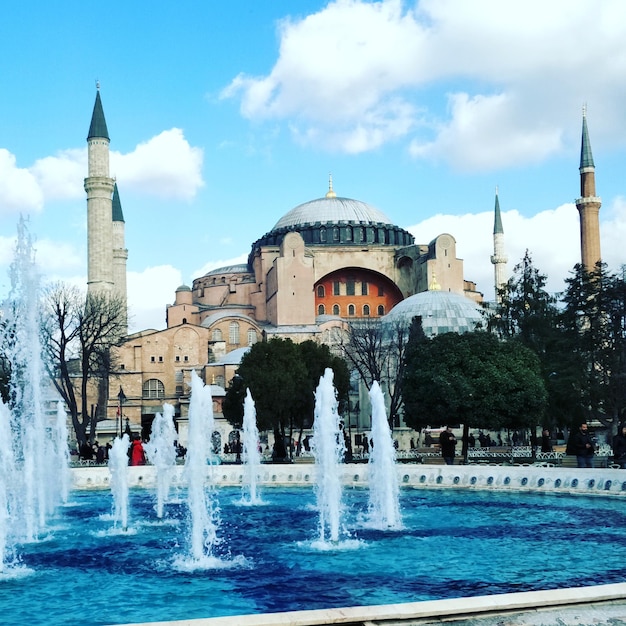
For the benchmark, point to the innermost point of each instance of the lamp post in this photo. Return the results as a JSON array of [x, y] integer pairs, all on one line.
[[121, 399]]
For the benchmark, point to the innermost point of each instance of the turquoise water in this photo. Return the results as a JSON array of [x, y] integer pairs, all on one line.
[[455, 543]]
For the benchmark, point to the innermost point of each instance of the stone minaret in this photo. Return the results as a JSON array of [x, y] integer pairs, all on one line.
[[99, 187], [498, 258], [588, 204], [120, 253]]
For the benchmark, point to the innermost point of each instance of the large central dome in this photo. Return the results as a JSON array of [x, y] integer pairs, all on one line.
[[333, 210]]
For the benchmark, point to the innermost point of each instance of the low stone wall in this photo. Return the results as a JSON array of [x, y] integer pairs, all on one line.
[[598, 481]]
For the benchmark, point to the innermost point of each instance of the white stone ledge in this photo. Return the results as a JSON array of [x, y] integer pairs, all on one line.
[[597, 481], [580, 601]]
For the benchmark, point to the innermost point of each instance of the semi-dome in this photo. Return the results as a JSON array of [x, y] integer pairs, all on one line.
[[332, 210], [441, 312]]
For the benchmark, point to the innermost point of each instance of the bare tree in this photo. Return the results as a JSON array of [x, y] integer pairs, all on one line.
[[80, 332], [376, 351]]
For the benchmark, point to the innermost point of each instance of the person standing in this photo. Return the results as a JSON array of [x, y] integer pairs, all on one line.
[[137, 455], [619, 447], [583, 446], [546, 443], [447, 441]]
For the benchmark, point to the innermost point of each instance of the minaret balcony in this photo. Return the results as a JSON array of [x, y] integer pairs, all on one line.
[[589, 200]]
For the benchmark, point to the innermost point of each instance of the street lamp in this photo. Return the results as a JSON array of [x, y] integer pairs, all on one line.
[[121, 399]]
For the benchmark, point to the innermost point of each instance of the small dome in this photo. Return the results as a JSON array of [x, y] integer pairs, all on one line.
[[241, 268], [441, 312], [183, 288], [333, 210]]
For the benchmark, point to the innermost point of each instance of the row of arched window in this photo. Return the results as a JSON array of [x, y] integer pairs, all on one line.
[[234, 334], [365, 310]]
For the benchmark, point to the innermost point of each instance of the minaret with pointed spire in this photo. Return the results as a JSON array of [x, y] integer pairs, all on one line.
[[498, 258], [588, 204], [99, 187], [120, 253]]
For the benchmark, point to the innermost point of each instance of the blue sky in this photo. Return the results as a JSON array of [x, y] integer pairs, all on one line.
[[224, 116]]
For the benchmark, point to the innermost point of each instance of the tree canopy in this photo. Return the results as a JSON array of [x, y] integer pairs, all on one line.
[[282, 377], [474, 379]]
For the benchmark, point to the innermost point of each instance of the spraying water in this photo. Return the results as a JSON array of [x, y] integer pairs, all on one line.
[[32, 443], [200, 501], [162, 453], [7, 480], [328, 449], [251, 454], [118, 466], [384, 491]]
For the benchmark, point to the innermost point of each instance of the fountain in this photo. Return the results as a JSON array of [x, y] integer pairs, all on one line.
[[251, 453], [384, 506], [161, 452], [34, 447], [118, 466], [465, 530], [202, 507], [328, 449]]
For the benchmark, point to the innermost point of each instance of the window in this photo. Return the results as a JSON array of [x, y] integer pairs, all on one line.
[[321, 310], [152, 359], [335, 234], [351, 309], [233, 333], [381, 309], [323, 235], [364, 290], [186, 358], [217, 334], [358, 234], [335, 309], [160, 359], [335, 287], [177, 359], [252, 338], [122, 366], [321, 293], [366, 310], [349, 233], [350, 284], [381, 290], [153, 388]]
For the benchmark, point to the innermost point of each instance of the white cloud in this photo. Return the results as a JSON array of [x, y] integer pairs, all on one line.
[[166, 166], [149, 291], [62, 176], [552, 238], [356, 75], [19, 189]]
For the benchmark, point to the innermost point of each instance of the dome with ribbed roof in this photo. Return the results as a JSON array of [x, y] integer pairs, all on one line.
[[441, 312], [332, 210], [333, 221]]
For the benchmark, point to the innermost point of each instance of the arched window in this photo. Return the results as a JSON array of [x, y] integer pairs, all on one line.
[[323, 235], [335, 234], [217, 334], [351, 310], [321, 293], [233, 333], [366, 310], [321, 310], [381, 309], [348, 233], [153, 388], [335, 309], [252, 338]]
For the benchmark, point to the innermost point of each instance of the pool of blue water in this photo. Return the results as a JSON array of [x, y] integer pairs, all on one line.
[[454, 543]]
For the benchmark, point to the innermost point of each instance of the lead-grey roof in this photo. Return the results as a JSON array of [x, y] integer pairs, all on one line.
[[441, 312], [332, 210]]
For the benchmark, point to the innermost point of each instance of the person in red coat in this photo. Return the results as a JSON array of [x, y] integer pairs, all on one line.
[[137, 454]]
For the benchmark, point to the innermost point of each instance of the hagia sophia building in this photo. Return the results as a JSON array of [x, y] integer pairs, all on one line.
[[324, 265]]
